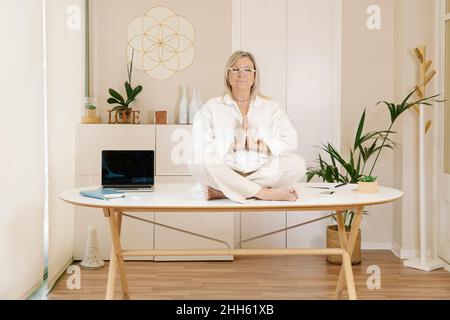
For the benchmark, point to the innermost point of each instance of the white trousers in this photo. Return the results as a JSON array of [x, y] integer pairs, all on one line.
[[283, 171]]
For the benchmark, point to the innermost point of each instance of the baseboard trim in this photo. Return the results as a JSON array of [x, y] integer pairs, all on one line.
[[51, 282], [411, 253], [405, 254], [376, 246], [396, 250]]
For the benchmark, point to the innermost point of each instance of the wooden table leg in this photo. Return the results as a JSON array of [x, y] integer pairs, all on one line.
[[348, 244], [111, 284], [117, 258], [343, 242]]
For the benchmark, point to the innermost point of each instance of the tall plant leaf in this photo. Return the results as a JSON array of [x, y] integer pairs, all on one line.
[[134, 94], [128, 89], [114, 101], [116, 95], [359, 131]]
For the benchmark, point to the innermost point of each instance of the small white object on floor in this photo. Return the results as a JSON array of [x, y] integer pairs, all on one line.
[[92, 258]]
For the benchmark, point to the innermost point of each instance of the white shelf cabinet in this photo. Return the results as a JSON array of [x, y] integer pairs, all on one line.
[[169, 142]]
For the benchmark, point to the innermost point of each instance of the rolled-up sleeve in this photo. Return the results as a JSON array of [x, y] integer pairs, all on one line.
[[281, 136], [205, 146]]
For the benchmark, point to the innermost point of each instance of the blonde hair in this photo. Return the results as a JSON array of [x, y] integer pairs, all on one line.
[[254, 91]]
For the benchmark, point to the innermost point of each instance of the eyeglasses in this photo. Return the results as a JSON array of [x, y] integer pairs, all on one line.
[[245, 70]]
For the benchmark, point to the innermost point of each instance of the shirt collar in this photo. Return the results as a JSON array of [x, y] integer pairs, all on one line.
[[229, 101]]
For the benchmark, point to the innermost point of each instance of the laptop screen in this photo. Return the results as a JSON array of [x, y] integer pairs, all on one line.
[[128, 168]]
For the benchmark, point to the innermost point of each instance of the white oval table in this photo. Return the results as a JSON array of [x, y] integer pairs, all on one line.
[[185, 197]]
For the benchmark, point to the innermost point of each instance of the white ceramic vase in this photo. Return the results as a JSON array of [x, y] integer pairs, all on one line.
[[183, 112], [194, 105]]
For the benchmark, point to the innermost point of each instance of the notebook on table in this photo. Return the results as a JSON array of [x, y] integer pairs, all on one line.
[[128, 170], [103, 194]]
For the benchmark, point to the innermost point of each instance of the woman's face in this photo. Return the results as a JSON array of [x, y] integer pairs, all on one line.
[[241, 75]]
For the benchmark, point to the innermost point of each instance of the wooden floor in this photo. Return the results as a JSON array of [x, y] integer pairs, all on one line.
[[273, 278]]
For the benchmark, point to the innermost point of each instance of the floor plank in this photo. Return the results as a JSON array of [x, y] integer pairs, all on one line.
[[272, 278]]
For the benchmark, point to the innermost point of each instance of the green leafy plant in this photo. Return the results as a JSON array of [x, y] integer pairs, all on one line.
[[339, 169], [122, 104], [368, 179]]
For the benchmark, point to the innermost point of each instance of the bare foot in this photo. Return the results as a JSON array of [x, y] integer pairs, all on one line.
[[213, 194], [277, 194]]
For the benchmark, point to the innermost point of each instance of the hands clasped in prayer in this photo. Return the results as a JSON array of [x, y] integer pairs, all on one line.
[[245, 141]]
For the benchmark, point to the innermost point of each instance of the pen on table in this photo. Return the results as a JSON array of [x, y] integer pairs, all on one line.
[[319, 187], [340, 185]]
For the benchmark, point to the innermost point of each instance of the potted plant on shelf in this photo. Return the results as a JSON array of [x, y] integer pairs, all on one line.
[[91, 110], [368, 184], [90, 113], [365, 147], [122, 105]]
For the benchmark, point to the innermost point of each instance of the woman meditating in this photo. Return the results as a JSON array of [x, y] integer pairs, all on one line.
[[243, 143]]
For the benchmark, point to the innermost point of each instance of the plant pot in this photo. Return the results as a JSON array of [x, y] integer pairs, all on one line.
[[91, 117], [125, 115], [91, 113], [334, 242], [368, 187]]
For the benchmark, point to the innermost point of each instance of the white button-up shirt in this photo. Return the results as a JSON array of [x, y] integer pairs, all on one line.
[[217, 122]]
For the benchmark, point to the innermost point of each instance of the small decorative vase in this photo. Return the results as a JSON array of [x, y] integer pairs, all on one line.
[[183, 111], [92, 259], [368, 187], [193, 105]]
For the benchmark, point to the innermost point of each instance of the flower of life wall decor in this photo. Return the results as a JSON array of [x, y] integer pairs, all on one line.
[[163, 43]]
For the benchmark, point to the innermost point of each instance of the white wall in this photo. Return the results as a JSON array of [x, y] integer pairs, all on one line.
[[368, 77], [65, 55], [22, 145], [313, 94]]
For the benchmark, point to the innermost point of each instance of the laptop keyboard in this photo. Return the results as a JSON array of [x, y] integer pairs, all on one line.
[[133, 189]]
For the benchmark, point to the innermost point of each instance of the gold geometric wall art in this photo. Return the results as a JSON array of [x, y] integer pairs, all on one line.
[[163, 43]]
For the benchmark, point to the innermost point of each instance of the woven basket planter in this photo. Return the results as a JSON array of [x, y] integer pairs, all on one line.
[[334, 242]]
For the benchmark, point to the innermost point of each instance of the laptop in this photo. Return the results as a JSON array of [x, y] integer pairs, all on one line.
[[128, 170]]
